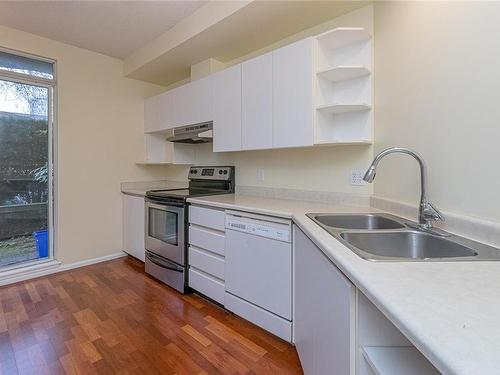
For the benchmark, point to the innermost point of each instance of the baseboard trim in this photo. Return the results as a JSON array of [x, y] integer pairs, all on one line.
[[88, 262], [49, 267]]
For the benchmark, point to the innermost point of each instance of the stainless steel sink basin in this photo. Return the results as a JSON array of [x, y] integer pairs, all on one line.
[[389, 238], [357, 221], [406, 244]]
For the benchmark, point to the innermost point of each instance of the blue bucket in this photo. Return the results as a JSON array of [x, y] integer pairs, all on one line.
[[42, 243]]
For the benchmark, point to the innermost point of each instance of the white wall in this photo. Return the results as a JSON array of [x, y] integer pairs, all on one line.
[[437, 90], [100, 126]]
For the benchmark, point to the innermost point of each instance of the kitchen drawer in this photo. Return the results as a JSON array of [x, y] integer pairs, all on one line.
[[263, 318], [207, 217], [207, 262], [207, 239], [207, 285]]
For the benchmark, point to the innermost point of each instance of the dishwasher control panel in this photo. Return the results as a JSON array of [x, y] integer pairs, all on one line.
[[268, 229]]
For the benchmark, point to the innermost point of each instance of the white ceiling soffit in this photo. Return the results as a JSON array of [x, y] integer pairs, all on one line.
[[113, 28], [233, 30]]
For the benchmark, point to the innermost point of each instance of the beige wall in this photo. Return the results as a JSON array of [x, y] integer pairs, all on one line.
[[437, 91], [100, 126]]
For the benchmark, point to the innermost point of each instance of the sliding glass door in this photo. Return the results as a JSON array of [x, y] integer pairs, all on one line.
[[26, 128]]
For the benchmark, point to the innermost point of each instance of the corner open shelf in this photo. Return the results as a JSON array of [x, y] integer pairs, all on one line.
[[395, 360], [343, 36], [343, 73], [344, 87], [343, 108]]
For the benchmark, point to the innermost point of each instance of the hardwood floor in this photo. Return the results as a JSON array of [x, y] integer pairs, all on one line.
[[111, 318]]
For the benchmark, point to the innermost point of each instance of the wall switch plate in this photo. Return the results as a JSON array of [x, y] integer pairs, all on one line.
[[357, 177], [260, 175]]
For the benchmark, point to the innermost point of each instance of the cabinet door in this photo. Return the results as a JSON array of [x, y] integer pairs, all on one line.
[[292, 95], [133, 226], [150, 113], [324, 316], [257, 103], [158, 112], [192, 103], [226, 96]]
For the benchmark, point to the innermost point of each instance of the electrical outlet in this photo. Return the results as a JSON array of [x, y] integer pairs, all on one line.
[[260, 175], [357, 177]]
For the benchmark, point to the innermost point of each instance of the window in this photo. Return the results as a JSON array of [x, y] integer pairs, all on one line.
[[26, 162], [26, 65]]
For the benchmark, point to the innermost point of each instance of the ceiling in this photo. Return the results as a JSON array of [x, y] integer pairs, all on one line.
[[160, 40], [257, 25], [113, 28]]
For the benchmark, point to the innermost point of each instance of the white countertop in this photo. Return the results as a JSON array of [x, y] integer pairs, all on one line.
[[449, 310]]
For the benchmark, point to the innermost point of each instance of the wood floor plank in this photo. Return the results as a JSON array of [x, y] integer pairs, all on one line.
[[112, 318]]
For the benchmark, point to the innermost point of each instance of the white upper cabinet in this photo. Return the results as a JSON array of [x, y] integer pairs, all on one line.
[[312, 92], [192, 103], [184, 105], [293, 95], [157, 112], [226, 86], [257, 103]]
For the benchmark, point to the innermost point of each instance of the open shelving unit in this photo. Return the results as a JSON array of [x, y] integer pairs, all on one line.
[[342, 142], [396, 360], [344, 87], [153, 162], [161, 152], [343, 36], [343, 108], [382, 349], [342, 73]]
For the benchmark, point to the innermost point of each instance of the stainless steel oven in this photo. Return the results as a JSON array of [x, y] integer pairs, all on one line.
[[165, 243], [167, 225], [165, 231]]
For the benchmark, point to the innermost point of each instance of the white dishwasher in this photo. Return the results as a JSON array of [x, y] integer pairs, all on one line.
[[258, 270]]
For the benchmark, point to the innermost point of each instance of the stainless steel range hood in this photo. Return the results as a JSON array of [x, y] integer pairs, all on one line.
[[197, 133]]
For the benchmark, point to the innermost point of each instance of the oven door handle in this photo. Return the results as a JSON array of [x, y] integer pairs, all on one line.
[[163, 264]]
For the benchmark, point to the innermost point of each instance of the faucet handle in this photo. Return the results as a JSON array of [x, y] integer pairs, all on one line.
[[431, 213]]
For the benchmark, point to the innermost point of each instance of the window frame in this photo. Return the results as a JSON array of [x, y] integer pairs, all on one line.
[[51, 85]]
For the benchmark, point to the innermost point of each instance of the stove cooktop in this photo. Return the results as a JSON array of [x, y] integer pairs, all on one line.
[[183, 193], [202, 181]]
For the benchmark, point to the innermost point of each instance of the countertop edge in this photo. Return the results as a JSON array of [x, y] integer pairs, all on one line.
[[228, 206], [133, 194]]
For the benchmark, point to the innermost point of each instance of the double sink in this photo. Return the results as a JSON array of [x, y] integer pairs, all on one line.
[[384, 237]]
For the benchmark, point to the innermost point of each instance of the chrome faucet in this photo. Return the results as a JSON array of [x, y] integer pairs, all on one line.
[[427, 213]]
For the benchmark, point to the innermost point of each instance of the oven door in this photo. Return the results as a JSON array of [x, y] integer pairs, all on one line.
[[165, 231]]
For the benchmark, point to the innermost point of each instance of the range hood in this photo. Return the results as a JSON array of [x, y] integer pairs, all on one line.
[[197, 133]]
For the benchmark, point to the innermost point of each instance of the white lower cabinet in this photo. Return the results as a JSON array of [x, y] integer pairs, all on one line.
[[206, 254], [337, 330], [325, 312], [247, 271], [206, 284], [133, 226]]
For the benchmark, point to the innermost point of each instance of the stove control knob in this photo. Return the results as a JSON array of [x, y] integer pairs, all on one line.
[[220, 171]]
